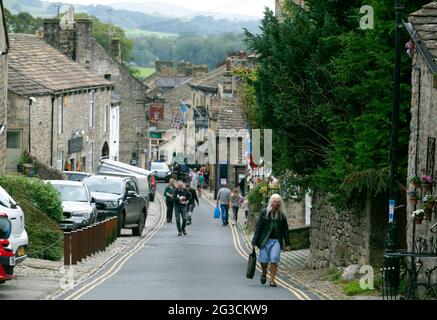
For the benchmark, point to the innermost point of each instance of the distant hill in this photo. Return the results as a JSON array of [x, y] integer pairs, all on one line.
[[162, 8], [131, 20]]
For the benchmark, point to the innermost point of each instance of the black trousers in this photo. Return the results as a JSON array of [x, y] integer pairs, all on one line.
[[170, 207]]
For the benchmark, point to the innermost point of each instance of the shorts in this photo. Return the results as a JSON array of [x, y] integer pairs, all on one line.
[[270, 253]]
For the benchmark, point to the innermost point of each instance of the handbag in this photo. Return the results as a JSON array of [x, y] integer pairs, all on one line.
[[217, 213], [251, 265]]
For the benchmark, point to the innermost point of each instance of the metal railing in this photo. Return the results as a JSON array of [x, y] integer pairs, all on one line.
[[83, 243]]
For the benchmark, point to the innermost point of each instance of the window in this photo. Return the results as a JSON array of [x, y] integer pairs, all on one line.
[[13, 140], [108, 76], [91, 157], [91, 108], [106, 119], [60, 161], [130, 186], [61, 115]]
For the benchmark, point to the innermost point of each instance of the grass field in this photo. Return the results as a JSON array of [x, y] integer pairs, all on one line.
[[132, 33], [145, 72]]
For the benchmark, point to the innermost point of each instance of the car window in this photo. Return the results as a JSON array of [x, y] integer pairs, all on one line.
[[130, 186], [5, 228], [5, 199], [104, 185], [72, 193]]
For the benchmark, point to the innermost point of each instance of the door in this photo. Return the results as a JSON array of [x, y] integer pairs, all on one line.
[[133, 207], [14, 149]]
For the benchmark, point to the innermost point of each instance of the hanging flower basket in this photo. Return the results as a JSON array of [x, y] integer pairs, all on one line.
[[428, 214], [414, 197], [414, 200], [418, 215], [426, 183], [416, 182], [430, 201]]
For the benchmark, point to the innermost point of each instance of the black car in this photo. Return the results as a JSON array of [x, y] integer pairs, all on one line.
[[119, 197]]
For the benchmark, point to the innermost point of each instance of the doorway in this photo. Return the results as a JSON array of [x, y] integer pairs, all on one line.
[[14, 150]]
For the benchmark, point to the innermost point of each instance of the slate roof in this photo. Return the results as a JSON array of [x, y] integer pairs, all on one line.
[[24, 86], [231, 115], [170, 82], [47, 67], [211, 80], [423, 29]]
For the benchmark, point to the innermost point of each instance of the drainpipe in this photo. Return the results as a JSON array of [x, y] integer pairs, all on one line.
[[31, 101], [51, 131]]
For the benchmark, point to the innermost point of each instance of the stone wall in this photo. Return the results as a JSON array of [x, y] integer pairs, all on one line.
[[338, 239], [76, 119], [133, 116], [3, 110], [426, 113]]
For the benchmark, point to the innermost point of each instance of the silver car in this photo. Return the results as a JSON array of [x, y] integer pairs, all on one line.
[[78, 205], [161, 170]]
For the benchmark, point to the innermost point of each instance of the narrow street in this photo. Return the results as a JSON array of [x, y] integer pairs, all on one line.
[[205, 265]]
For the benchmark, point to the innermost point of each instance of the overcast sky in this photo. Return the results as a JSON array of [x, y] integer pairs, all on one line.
[[245, 7]]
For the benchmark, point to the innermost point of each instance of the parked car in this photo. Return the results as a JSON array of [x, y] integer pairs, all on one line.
[[107, 165], [141, 181], [19, 240], [76, 176], [161, 170], [78, 205], [119, 197], [7, 256]]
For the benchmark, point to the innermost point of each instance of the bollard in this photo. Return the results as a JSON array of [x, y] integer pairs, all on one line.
[[86, 244], [74, 248], [67, 249], [79, 245]]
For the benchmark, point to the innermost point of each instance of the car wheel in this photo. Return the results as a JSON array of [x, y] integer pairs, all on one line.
[[120, 224], [138, 231]]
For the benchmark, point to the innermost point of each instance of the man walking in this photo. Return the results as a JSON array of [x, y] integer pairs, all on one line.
[[191, 203], [180, 198], [223, 200], [169, 200]]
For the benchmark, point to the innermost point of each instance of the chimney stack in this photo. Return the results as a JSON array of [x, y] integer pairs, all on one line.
[[51, 32], [116, 49], [84, 41]]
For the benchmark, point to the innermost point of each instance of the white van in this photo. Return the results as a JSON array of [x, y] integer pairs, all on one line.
[[110, 166], [18, 239]]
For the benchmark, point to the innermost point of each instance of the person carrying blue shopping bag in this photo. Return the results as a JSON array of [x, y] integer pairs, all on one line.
[[223, 201], [271, 236]]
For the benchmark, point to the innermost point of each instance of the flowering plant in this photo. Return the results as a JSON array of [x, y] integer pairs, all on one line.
[[418, 213], [414, 194], [427, 179], [429, 198], [415, 180]]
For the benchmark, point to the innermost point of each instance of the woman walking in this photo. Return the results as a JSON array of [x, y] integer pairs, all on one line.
[[271, 236], [236, 201]]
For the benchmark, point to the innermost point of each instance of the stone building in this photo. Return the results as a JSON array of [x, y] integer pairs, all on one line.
[[58, 110], [4, 48], [74, 38], [422, 27]]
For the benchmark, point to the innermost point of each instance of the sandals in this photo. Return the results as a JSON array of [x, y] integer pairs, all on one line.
[[263, 279]]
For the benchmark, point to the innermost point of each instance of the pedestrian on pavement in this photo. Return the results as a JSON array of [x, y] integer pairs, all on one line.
[[246, 209], [168, 193], [271, 236], [194, 179], [191, 203], [236, 201], [223, 201], [180, 198]]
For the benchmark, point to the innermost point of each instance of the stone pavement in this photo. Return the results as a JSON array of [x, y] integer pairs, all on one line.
[[293, 267]]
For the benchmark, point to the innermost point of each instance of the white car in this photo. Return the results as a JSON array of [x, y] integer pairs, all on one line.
[[18, 239]]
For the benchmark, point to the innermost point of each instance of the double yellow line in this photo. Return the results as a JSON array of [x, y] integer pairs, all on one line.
[[121, 262], [237, 243]]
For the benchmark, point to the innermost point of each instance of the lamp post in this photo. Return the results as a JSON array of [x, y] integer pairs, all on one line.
[[391, 265]]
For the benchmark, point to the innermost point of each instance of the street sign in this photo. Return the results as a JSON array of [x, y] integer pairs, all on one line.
[[75, 145], [391, 215]]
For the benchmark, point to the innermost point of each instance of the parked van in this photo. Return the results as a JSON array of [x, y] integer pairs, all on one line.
[[18, 238], [110, 166]]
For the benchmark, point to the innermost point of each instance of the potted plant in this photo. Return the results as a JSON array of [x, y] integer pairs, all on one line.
[[414, 197], [430, 201], [426, 183], [419, 215], [416, 181]]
